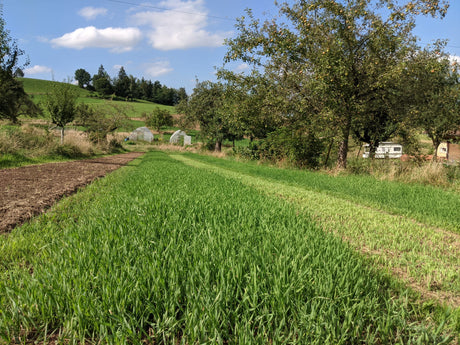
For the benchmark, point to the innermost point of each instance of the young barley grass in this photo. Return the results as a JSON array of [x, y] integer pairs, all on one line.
[[425, 204], [426, 255], [167, 253]]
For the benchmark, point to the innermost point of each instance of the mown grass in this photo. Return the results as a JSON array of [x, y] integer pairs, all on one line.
[[167, 253], [423, 203], [37, 89]]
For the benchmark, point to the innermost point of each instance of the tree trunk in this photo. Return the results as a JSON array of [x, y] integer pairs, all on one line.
[[343, 147], [372, 150], [436, 144], [342, 156], [218, 147], [62, 135], [328, 153]]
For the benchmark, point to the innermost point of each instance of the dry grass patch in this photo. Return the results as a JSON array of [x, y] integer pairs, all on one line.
[[80, 140]]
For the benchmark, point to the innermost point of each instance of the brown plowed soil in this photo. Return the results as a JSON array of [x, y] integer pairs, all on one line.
[[29, 191]]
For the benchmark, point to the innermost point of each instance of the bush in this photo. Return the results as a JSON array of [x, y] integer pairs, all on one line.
[[114, 146], [300, 149], [68, 151], [159, 118], [359, 166], [251, 152], [14, 139]]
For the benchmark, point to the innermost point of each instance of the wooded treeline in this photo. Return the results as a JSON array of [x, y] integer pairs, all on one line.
[[324, 72], [129, 87]]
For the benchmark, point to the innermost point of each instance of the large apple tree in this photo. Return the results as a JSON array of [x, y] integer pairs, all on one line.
[[345, 56]]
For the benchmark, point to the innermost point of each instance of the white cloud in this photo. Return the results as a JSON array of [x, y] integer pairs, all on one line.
[[158, 68], [92, 12], [116, 39], [37, 69], [454, 58], [242, 67], [181, 28]]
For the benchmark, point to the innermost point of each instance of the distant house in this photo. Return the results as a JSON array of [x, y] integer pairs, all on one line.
[[385, 149], [449, 151]]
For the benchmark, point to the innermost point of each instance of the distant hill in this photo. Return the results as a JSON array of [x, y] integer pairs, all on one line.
[[41, 87], [37, 89]]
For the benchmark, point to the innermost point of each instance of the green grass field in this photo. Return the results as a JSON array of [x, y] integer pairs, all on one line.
[[404, 228], [180, 249], [37, 89]]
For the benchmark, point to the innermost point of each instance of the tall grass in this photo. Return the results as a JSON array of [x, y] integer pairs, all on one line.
[[413, 171], [166, 253], [27, 144]]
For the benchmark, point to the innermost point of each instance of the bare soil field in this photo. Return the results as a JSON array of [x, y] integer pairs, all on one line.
[[29, 191]]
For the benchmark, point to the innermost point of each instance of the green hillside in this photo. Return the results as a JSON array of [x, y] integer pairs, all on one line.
[[38, 88]]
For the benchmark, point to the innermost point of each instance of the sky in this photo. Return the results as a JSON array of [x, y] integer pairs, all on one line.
[[173, 41]]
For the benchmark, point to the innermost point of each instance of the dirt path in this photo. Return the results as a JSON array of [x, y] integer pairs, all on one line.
[[28, 191]]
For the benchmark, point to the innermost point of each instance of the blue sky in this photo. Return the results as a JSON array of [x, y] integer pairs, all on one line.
[[173, 41]]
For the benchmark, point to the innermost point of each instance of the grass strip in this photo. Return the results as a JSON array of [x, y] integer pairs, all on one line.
[[426, 204], [174, 254], [426, 258]]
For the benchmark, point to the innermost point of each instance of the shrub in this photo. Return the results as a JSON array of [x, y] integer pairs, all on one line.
[[159, 118], [114, 146], [251, 152], [14, 139], [298, 148], [68, 151]]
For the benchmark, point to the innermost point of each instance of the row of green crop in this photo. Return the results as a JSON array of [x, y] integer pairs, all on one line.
[[173, 254], [427, 257], [426, 204]]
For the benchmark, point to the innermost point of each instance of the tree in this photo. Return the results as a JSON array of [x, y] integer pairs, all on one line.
[[101, 121], [133, 89], [436, 108], [343, 53], [121, 84], [206, 107], [159, 118], [18, 73], [61, 105], [102, 83], [82, 77], [13, 99], [156, 90], [385, 109], [181, 95], [146, 89], [254, 103]]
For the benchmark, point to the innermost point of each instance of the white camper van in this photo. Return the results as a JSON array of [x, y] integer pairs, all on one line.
[[385, 149]]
